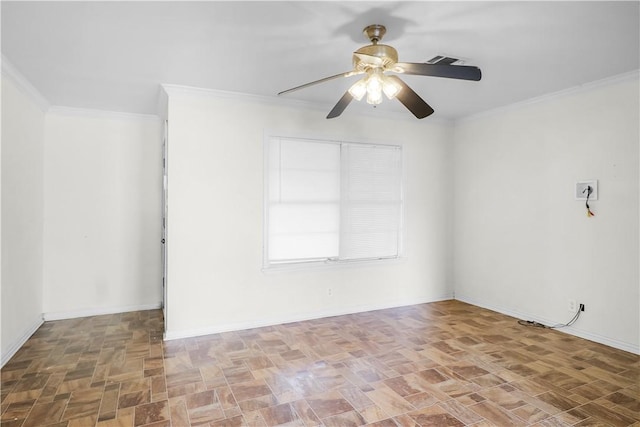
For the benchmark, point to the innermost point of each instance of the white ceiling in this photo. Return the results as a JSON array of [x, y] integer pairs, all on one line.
[[113, 55]]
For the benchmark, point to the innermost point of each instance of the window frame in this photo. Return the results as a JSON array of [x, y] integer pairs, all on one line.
[[305, 264]]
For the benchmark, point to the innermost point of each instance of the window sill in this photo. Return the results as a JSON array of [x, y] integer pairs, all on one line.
[[330, 265]]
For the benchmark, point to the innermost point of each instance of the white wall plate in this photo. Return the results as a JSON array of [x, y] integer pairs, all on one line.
[[581, 190]]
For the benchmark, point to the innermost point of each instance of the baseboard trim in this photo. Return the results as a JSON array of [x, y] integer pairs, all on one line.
[[15, 346], [98, 311], [299, 317], [571, 330]]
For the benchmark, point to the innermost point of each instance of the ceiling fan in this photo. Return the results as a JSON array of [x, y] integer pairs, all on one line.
[[377, 61]]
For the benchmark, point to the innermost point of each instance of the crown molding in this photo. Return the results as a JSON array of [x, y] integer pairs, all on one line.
[[11, 72], [179, 90], [586, 87], [162, 103], [101, 114]]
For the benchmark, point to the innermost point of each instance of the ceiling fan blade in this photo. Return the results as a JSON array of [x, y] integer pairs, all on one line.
[[412, 100], [340, 106], [326, 79], [463, 72]]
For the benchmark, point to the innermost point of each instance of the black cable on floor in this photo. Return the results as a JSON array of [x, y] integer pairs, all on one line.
[[531, 323]]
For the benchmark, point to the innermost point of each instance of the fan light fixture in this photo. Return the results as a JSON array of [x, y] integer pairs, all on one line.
[[379, 64], [373, 85]]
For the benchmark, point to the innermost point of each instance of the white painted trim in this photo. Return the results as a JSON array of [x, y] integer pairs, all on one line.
[[162, 108], [101, 114], [329, 265], [10, 71], [15, 346], [61, 315], [632, 75], [178, 90], [571, 330], [300, 317]]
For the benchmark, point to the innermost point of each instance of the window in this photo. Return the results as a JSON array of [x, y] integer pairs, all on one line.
[[331, 201]]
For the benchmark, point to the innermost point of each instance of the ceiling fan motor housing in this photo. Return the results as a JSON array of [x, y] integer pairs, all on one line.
[[375, 55]]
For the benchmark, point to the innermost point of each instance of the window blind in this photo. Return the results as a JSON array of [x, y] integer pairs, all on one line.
[[371, 184], [331, 201], [304, 200]]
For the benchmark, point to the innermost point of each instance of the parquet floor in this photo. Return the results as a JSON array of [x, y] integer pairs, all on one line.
[[440, 364]]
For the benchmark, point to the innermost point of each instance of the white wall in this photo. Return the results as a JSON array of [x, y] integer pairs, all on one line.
[[215, 220], [522, 244], [102, 213], [22, 210]]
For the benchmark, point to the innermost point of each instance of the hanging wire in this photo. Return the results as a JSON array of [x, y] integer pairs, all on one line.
[[589, 190]]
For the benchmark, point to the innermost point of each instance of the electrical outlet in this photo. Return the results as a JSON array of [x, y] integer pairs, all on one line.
[[572, 306], [330, 292], [581, 190]]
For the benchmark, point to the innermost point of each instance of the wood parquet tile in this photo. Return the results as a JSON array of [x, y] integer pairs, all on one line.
[[440, 364]]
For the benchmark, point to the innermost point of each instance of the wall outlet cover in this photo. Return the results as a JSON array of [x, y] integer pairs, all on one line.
[[581, 187]]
